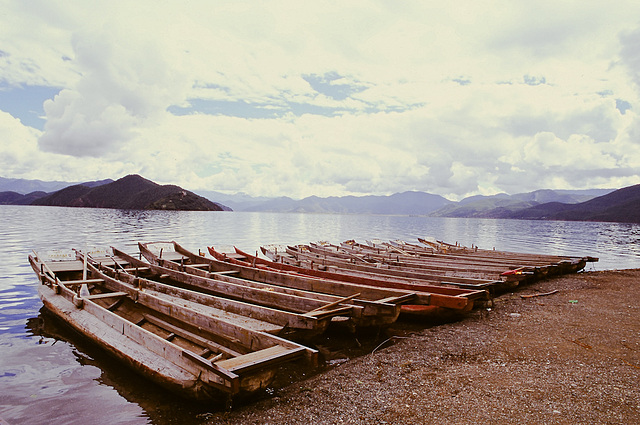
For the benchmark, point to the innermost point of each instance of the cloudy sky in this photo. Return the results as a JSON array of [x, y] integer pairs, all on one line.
[[302, 98]]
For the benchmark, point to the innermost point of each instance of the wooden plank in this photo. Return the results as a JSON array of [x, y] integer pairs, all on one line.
[[80, 282], [335, 303], [230, 376], [458, 303], [64, 266], [136, 269], [399, 299], [105, 295], [259, 358]]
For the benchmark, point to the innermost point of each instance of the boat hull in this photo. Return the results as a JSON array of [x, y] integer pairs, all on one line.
[[163, 372], [193, 355]]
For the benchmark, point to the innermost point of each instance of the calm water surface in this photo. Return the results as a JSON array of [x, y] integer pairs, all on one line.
[[49, 375]]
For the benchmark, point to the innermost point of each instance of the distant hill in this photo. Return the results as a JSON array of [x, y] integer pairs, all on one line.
[[505, 206], [14, 198], [130, 192], [622, 206], [407, 203]]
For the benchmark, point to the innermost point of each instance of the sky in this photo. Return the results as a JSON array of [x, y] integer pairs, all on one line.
[[332, 98]]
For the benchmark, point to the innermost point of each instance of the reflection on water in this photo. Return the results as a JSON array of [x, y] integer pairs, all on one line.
[[42, 376]]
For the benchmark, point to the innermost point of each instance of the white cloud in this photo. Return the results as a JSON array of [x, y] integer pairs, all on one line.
[[20, 157], [123, 86], [453, 99]]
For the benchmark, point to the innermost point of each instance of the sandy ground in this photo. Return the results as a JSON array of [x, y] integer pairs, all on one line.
[[567, 358]]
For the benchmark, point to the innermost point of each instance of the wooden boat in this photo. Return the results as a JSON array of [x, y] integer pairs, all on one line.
[[510, 270], [278, 320], [245, 259], [389, 252], [512, 265], [366, 310], [195, 355], [463, 276], [338, 274], [476, 252], [300, 314], [381, 305], [549, 264], [412, 268]]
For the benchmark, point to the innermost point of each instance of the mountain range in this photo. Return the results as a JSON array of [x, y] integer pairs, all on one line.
[[406, 203], [622, 205], [590, 205]]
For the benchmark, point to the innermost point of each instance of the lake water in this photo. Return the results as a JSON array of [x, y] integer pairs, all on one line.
[[49, 375]]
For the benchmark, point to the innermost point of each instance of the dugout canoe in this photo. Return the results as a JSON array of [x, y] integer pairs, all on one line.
[[467, 277], [302, 314], [199, 357], [381, 305], [511, 272], [267, 318], [564, 263], [369, 308], [513, 265], [386, 252], [245, 259]]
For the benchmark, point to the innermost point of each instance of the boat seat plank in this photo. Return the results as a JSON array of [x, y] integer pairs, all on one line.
[[65, 266], [80, 282], [172, 256], [110, 261], [227, 375], [225, 272], [105, 295], [139, 269], [260, 358], [398, 299]]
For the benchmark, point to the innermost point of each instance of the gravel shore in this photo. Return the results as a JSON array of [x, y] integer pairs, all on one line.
[[569, 357]]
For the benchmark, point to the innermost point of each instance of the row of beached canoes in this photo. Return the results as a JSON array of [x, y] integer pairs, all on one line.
[[220, 325], [437, 263]]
